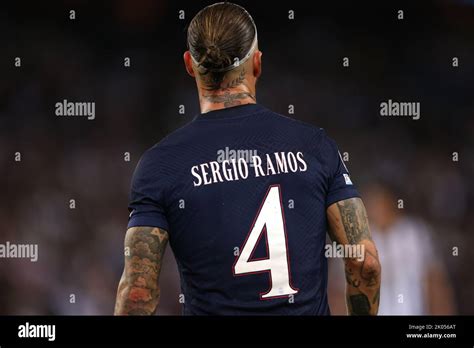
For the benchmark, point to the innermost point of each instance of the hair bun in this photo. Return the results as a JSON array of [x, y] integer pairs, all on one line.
[[214, 58]]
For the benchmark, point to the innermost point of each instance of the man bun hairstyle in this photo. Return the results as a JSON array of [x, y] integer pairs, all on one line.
[[221, 37]]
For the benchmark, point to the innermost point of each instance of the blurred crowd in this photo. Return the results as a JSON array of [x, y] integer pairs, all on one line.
[[64, 159]]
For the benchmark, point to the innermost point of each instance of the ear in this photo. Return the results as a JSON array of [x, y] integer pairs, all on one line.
[[188, 63], [257, 63]]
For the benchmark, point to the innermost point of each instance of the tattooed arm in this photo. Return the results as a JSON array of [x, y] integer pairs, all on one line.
[[138, 292], [348, 225]]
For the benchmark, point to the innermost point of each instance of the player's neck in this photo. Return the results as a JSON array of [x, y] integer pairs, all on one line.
[[226, 98]]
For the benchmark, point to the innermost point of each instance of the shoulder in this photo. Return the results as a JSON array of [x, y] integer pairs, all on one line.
[[292, 122], [157, 161], [167, 146], [174, 138], [309, 137], [302, 129]]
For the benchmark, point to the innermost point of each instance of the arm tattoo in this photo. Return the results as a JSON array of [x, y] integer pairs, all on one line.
[[138, 292], [369, 273], [354, 219], [359, 304], [350, 278], [349, 225]]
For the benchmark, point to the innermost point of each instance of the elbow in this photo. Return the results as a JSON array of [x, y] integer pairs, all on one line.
[[371, 268], [368, 266]]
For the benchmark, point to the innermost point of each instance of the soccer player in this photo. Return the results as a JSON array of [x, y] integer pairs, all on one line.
[[244, 196]]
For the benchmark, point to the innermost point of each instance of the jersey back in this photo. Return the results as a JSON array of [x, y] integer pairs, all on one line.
[[243, 194]]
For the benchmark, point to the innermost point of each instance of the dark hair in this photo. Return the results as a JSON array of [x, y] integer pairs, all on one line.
[[217, 36]]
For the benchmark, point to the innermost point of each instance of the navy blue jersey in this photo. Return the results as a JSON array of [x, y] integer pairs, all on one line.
[[243, 194]]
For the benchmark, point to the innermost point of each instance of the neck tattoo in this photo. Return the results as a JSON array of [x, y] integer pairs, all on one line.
[[228, 98]]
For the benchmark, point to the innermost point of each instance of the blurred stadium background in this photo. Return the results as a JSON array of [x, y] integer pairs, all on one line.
[[80, 250]]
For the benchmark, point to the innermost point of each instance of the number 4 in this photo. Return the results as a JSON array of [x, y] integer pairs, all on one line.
[[270, 220]]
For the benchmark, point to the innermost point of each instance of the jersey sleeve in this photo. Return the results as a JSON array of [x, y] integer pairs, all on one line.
[[147, 207], [340, 186]]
